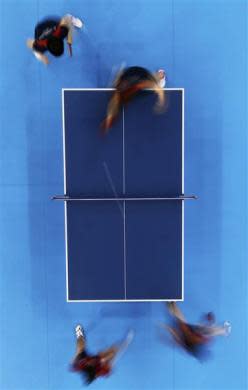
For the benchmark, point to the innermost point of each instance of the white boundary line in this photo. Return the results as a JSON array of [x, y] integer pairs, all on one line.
[[124, 250], [66, 235], [124, 204], [123, 300], [65, 206], [113, 89], [123, 152], [183, 193]]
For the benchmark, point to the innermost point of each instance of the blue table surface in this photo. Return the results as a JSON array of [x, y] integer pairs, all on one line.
[[152, 146], [107, 258]]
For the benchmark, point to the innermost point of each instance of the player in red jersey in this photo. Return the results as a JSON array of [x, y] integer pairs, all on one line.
[[99, 365], [49, 36]]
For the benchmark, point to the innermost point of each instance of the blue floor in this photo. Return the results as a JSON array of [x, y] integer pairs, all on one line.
[[202, 45]]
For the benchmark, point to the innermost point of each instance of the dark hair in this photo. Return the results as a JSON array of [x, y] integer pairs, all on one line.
[[210, 317], [55, 46]]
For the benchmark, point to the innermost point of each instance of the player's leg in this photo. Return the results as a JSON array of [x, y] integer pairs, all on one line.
[[80, 354], [224, 330], [174, 334], [175, 311], [81, 343]]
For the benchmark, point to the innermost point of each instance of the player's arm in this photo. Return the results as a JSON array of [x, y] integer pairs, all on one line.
[[67, 22], [41, 57], [112, 112], [161, 96], [175, 311], [214, 331], [174, 333], [118, 78], [157, 89], [114, 105], [148, 84]]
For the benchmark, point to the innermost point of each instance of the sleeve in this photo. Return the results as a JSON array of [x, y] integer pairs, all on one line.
[[40, 46]]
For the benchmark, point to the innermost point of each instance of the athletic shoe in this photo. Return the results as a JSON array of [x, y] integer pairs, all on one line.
[[227, 327], [79, 331]]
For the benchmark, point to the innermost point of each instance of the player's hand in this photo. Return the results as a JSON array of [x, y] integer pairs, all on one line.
[[45, 60], [159, 107], [41, 57], [29, 43], [106, 124]]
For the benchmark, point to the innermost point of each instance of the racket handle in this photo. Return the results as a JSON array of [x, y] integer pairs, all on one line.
[[70, 49]]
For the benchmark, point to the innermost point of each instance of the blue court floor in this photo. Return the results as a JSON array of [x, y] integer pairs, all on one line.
[[202, 45]]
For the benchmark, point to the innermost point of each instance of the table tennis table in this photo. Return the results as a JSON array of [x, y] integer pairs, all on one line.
[[124, 198]]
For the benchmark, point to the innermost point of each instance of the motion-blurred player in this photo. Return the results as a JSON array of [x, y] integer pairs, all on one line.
[[101, 364], [195, 338], [128, 83], [49, 36]]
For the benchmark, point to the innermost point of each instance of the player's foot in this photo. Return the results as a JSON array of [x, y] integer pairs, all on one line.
[[227, 327], [79, 331]]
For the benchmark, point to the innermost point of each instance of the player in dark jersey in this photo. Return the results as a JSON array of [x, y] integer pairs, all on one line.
[[195, 338], [49, 36], [99, 365], [128, 83]]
